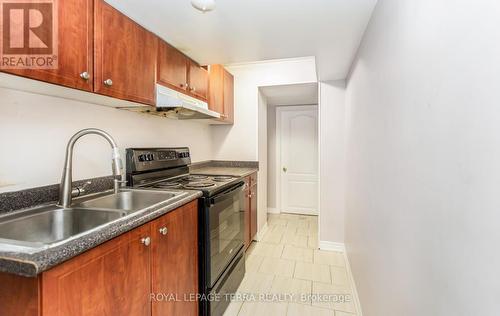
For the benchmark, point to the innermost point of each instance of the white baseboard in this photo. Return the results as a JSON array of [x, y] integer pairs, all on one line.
[[273, 210], [353, 285], [332, 246], [260, 234], [340, 247]]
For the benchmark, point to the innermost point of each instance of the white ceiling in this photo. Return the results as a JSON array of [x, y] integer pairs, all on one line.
[[255, 30], [294, 94]]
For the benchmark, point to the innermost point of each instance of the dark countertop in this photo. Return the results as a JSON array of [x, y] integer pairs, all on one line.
[[225, 171], [225, 168], [31, 264]]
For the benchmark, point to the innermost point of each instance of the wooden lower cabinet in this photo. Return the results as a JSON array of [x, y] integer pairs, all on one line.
[[250, 209], [119, 276], [175, 261], [112, 279]]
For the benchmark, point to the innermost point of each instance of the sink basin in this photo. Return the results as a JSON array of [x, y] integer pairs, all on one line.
[[49, 226], [130, 200], [43, 227]]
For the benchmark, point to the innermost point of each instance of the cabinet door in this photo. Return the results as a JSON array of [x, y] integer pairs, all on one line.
[[111, 279], [216, 88], [125, 56], [198, 81], [175, 261], [228, 97], [75, 26], [172, 67], [253, 211], [247, 208]]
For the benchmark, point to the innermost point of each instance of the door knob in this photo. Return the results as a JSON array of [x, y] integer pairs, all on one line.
[[285, 169], [108, 82], [163, 230], [146, 241], [85, 75]]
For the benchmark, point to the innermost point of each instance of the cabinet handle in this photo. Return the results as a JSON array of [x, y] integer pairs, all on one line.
[[108, 82], [85, 75], [163, 230], [193, 89], [146, 241], [184, 85], [223, 115]]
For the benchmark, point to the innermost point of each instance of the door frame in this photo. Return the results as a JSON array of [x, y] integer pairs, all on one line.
[[279, 110]]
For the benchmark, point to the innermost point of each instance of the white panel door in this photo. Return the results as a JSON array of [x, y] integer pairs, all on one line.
[[299, 160]]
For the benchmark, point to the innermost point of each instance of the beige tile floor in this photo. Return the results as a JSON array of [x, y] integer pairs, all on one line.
[[286, 274]]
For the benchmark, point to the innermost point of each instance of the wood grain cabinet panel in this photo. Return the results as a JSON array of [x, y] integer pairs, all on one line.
[[175, 261], [172, 67], [228, 97], [19, 296], [198, 81], [253, 211], [250, 205], [124, 56], [75, 48], [221, 93], [112, 279], [216, 88]]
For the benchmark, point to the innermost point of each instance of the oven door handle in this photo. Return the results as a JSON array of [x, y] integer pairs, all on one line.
[[224, 195]]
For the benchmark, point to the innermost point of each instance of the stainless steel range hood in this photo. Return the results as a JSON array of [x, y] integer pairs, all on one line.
[[173, 104]]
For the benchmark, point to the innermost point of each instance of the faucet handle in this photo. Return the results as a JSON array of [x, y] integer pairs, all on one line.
[[77, 191]]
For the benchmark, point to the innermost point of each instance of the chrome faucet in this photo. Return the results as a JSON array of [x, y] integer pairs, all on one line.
[[65, 189]]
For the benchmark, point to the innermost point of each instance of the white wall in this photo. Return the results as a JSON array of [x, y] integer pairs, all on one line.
[[248, 78], [423, 177], [332, 161], [262, 157], [241, 140], [34, 130], [271, 158]]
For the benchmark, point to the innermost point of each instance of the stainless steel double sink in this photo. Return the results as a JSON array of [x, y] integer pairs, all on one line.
[[52, 225]]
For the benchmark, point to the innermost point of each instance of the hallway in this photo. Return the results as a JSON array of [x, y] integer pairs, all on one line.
[[287, 275]]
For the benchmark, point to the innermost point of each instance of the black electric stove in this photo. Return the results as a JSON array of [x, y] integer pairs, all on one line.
[[221, 217]]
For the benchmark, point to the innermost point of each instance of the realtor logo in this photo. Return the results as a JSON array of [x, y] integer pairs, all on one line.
[[28, 34]]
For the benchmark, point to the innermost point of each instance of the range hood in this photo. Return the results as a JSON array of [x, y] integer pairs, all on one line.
[[173, 104]]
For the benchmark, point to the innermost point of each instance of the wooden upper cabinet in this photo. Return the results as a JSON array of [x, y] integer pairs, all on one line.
[[228, 97], [198, 81], [112, 279], [216, 88], [124, 56], [75, 32], [175, 260], [172, 67], [221, 93]]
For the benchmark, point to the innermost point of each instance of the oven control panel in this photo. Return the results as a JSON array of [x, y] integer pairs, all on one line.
[[144, 159]]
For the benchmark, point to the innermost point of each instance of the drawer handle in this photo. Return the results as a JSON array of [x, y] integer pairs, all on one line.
[[163, 230], [108, 82], [146, 241]]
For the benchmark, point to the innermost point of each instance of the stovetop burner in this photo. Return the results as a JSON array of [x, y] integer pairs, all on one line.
[[222, 178], [195, 177], [169, 185], [199, 185]]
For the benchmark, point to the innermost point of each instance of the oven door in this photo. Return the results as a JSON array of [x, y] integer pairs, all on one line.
[[226, 225]]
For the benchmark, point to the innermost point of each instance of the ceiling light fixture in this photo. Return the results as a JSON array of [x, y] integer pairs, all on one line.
[[203, 5]]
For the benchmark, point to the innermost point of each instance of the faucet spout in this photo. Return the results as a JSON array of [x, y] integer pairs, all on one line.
[[65, 197]]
